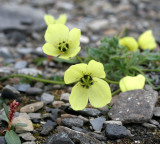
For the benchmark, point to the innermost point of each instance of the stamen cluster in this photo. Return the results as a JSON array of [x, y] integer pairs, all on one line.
[[63, 46], [86, 81]]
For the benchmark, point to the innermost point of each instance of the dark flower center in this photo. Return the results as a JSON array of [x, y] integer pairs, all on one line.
[[63, 46], [86, 81]]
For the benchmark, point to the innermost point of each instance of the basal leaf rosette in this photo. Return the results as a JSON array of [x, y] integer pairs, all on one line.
[[60, 42], [147, 41], [129, 42], [49, 19], [89, 85], [131, 83]]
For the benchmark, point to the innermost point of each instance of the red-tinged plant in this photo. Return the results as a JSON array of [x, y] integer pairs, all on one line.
[[49, 58], [13, 107]]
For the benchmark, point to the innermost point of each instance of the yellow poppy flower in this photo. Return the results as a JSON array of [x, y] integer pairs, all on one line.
[[129, 42], [89, 85], [131, 83], [49, 19], [146, 40], [61, 42]]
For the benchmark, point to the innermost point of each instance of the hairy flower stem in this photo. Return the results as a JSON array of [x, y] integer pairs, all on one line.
[[115, 92], [121, 33], [151, 70], [79, 58], [33, 78], [109, 81], [45, 80], [141, 72]]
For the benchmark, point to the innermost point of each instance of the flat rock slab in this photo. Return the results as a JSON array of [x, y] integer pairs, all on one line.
[[73, 122], [157, 111], [97, 123], [135, 106], [20, 17], [78, 136], [59, 138], [114, 131]]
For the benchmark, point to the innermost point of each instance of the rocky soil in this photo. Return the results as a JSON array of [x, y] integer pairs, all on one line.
[[135, 115]]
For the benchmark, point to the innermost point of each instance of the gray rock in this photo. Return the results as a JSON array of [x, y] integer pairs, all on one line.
[[97, 136], [48, 126], [90, 112], [32, 107], [33, 91], [65, 97], [84, 39], [32, 142], [59, 138], [72, 122], [2, 140], [3, 39], [5, 53], [114, 131], [152, 121], [39, 85], [79, 129], [29, 71], [157, 112], [86, 120], [47, 98], [35, 115], [8, 94], [148, 125], [12, 89], [24, 51], [22, 87], [25, 115], [57, 104], [98, 25], [55, 113], [113, 122], [135, 106], [40, 3], [64, 5], [27, 136], [20, 17], [20, 64], [97, 123], [6, 70], [82, 137], [20, 129]]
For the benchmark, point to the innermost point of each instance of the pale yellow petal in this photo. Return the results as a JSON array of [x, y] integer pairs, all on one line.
[[99, 93], [141, 81], [49, 19], [131, 83], [79, 97], [96, 69], [74, 73], [49, 49], [147, 41], [56, 33], [74, 38], [129, 42], [72, 52], [62, 19]]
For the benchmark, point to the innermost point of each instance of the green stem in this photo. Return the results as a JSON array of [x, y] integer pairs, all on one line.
[[115, 92], [141, 72], [121, 33], [109, 81], [151, 70], [33, 78], [79, 59]]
